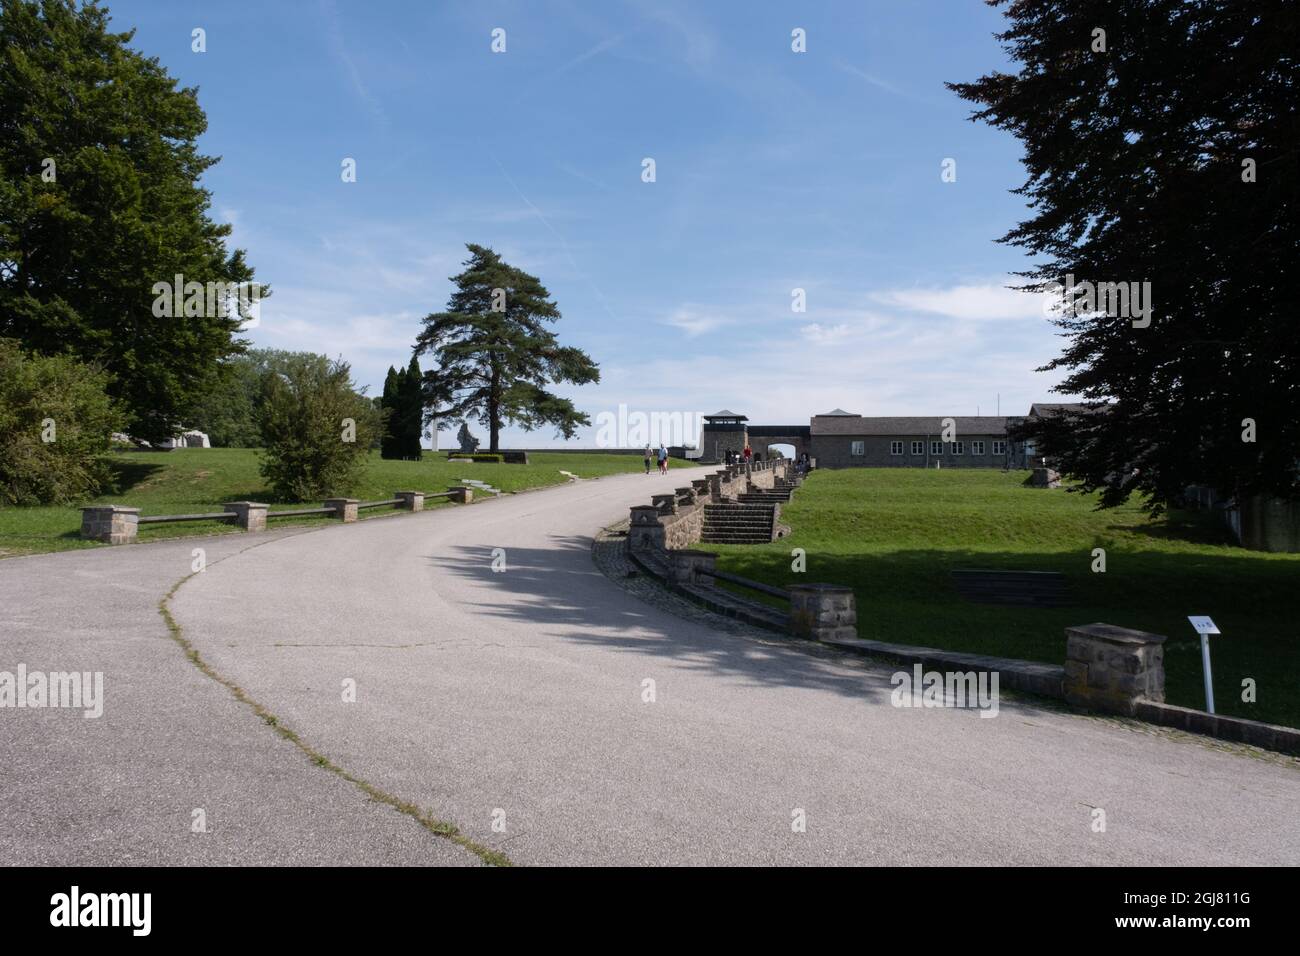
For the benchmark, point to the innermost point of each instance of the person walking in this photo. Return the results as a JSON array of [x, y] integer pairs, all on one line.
[[647, 458], [663, 460], [749, 455]]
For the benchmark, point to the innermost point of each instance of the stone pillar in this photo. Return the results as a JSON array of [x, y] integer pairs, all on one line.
[[685, 496], [345, 509], [823, 611], [249, 515], [1112, 668], [690, 567], [462, 495], [411, 500], [667, 504], [116, 524], [645, 532], [1045, 478]]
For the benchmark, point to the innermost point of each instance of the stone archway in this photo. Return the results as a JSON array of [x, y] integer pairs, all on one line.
[[796, 437]]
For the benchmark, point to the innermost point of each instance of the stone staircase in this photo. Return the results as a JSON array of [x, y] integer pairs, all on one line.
[[743, 522]]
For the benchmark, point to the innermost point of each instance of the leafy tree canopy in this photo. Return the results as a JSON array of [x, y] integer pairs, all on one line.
[[99, 201]]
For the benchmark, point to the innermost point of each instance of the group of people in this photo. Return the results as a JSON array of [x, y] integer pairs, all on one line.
[[661, 455], [739, 457]]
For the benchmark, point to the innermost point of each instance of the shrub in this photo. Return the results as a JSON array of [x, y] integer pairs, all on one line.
[[309, 449], [56, 420]]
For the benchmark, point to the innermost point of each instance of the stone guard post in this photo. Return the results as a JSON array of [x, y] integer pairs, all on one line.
[[411, 500], [249, 515], [116, 524], [462, 495], [1112, 668], [645, 532], [345, 509], [823, 611]]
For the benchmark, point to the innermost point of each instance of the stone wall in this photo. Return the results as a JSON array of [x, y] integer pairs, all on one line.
[[1269, 524], [675, 521]]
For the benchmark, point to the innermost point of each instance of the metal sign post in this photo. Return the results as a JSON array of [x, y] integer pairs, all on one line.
[[1205, 627]]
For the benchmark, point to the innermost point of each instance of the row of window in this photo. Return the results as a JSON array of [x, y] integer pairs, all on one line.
[[859, 448]]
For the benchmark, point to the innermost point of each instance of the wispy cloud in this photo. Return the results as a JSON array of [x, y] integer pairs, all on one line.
[[695, 323], [885, 85], [989, 301], [599, 48], [338, 46]]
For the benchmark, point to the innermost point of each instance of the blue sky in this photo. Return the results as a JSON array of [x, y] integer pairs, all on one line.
[[775, 170]]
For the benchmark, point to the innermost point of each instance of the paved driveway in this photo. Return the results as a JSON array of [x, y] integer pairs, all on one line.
[[513, 704]]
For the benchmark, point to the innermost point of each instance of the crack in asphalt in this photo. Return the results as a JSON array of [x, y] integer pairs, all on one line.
[[439, 828]]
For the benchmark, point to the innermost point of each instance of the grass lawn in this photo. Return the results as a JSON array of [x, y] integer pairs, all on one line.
[[197, 480], [894, 535]]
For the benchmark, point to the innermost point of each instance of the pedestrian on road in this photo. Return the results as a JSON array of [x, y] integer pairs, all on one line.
[[749, 455], [663, 460], [647, 459]]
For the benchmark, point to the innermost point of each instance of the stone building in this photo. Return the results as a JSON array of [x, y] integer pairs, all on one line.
[[842, 439], [723, 432]]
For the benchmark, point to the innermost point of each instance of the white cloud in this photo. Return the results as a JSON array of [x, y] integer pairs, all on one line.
[[987, 301], [694, 323], [826, 334]]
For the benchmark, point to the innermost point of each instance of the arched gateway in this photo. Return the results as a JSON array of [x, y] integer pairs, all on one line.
[[727, 431]]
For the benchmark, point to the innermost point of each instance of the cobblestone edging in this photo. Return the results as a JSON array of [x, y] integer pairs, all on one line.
[[610, 557]]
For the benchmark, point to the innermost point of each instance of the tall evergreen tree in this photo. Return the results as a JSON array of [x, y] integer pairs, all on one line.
[[411, 402], [495, 355], [1161, 142], [389, 445], [99, 200]]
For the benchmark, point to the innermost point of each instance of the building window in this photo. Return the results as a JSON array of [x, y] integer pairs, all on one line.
[[918, 448], [936, 448], [895, 447], [857, 448], [999, 448], [977, 448], [959, 448]]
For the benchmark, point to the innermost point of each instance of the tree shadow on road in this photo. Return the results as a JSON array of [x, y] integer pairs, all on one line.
[[559, 591]]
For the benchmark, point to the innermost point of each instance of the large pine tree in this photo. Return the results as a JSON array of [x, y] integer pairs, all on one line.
[[495, 356], [99, 200], [1164, 149]]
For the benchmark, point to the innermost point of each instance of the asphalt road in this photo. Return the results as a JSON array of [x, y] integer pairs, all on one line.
[[512, 703]]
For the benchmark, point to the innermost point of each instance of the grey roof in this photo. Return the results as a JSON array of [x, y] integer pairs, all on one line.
[[835, 413], [1042, 409], [726, 414], [919, 426]]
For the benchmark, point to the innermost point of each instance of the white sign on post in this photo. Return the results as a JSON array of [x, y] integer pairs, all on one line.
[[1204, 626]]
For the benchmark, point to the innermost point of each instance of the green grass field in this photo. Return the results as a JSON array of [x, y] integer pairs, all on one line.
[[894, 535], [197, 480]]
